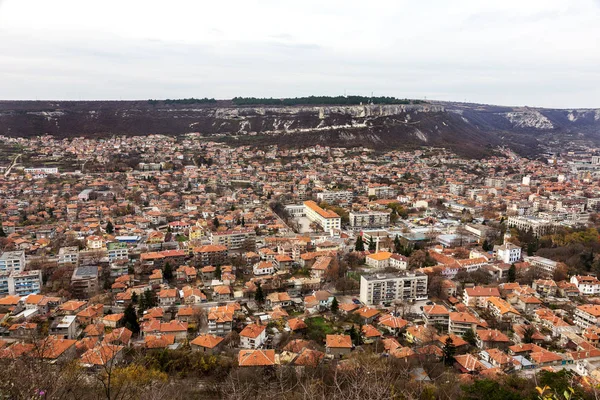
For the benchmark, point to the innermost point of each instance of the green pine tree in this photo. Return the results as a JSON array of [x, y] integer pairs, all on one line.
[[512, 273], [134, 298], [335, 306], [359, 246], [259, 296], [2, 233], [449, 350], [168, 272], [372, 244], [110, 228], [130, 320], [469, 337]]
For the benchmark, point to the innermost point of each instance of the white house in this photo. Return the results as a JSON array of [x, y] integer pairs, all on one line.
[[253, 336]]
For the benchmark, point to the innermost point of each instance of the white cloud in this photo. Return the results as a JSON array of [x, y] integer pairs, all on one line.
[[535, 52]]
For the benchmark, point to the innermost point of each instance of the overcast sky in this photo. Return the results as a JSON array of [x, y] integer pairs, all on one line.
[[510, 52]]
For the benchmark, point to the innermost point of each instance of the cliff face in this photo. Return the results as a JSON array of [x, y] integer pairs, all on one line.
[[469, 129]]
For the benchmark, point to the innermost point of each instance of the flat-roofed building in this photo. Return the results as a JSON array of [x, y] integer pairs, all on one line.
[[369, 219], [337, 196], [12, 261], [382, 288]]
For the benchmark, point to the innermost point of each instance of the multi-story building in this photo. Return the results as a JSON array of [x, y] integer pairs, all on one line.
[[436, 315], [586, 284], [68, 255], [382, 192], [210, 254], [338, 196], [587, 315], [544, 266], [369, 219], [234, 239], [384, 288], [12, 261], [20, 283], [84, 281], [508, 253], [117, 251], [538, 226], [327, 219]]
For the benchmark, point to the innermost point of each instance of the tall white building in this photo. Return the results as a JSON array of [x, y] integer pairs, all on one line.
[[508, 253], [20, 283], [327, 219], [369, 219], [338, 196], [383, 288], [12, 261]]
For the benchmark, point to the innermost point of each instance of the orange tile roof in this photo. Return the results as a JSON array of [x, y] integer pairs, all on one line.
[[252, 331], [255, 358], [207, 341], [338, 341]]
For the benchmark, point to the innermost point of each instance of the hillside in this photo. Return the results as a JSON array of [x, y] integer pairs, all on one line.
[[469, 129]]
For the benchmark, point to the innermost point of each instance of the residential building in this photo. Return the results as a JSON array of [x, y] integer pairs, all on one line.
[[385, 288], [68, 255], [84, 281], [253, 336], [369, 219], [338, 196], [234, 239], [12, 261], [326, 219]]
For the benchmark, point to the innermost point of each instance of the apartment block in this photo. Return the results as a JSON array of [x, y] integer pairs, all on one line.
[[382, 288]]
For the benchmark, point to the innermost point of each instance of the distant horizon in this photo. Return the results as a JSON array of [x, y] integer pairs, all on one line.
[[292, 97]]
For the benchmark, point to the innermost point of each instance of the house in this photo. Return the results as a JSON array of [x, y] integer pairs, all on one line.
[[185, 314], [398, 261], [587, 315], [176, 328], [55, 349], [392, 323], [192, 296], [102, 355], [468, 364], [119, 336], [497, 358], [158, 341], [208, 273], [263, 268], [338, 345], [220, 320], [168, 297], [278, 299], [186, 273], [91, 314], [111, 320], [308, 358], [436, 315], [367, 314], [296, 324], [320, 267], [65, 327], [253, 336], [256, 358], [477, 296], [380, 260], [587, 285], [502, 309], [420, 334], [222, 293], [491, 338], [209, 344]]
